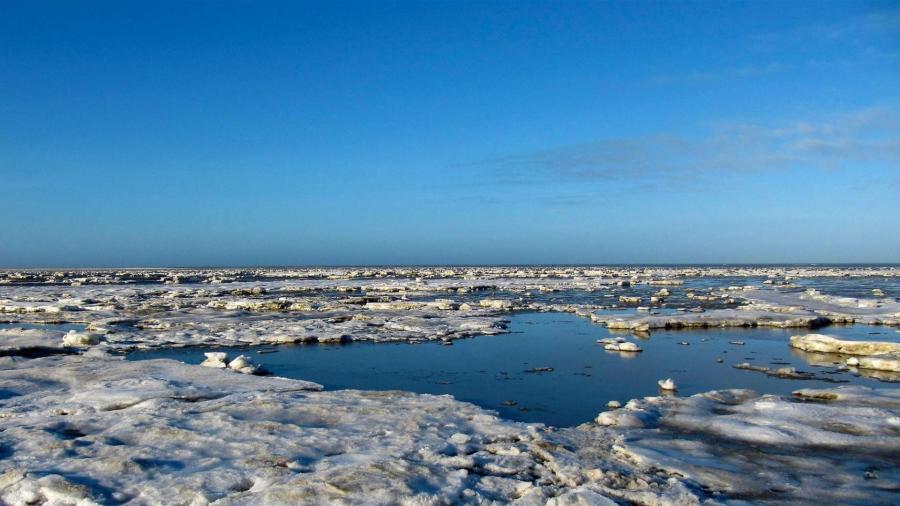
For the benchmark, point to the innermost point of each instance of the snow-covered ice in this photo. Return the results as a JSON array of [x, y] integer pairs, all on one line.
[[828, 344], [627, 347], [878, 355], [19, 341], [82, 426], [95, 428], [667, 384], [831, 446], [150, 308]]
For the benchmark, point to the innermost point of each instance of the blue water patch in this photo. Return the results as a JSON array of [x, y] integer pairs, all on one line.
[[511, 373]]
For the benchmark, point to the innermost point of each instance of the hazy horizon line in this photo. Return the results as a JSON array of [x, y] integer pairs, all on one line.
[[461, 265]]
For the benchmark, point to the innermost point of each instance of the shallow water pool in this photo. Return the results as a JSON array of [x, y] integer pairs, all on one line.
[[496, 372]]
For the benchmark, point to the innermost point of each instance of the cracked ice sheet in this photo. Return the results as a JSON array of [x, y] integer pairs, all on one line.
[[85, 429], [18, 341], [151, 315], [869, 311], [130, 318], [739, 317], [843, 446], [153, 308], [93, 428], [773, 308]]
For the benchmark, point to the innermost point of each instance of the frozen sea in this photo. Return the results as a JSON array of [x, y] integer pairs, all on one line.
[[519, 341]]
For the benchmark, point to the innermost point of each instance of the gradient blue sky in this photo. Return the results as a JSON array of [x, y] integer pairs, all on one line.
[[238, 133]]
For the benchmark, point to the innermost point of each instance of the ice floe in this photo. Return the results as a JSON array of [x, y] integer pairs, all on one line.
[[625, 347], [828, 344], [667, 384], [882, 362], [76, 339], [878, 355], [25, 341], [217, 359], [840, 446]]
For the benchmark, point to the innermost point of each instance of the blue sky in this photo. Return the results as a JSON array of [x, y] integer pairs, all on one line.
[[262, 133]]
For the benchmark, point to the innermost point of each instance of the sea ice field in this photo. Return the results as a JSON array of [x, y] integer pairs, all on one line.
[[443, 385]]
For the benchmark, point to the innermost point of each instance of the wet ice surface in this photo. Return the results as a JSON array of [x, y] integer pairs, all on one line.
[[494, 372]]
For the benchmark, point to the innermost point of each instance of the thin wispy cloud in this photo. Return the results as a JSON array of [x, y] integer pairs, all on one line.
[[869, 135], [865, 39], [707, 76], [852, 30], [881, 21], [864, 56]]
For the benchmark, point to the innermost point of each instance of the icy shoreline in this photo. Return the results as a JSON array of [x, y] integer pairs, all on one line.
[[95, 428]]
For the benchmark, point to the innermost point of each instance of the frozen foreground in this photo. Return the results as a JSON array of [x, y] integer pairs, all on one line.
[[80, 425], [97, 429]]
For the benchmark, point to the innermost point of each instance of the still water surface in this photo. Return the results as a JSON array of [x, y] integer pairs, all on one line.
[[494, 371]]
